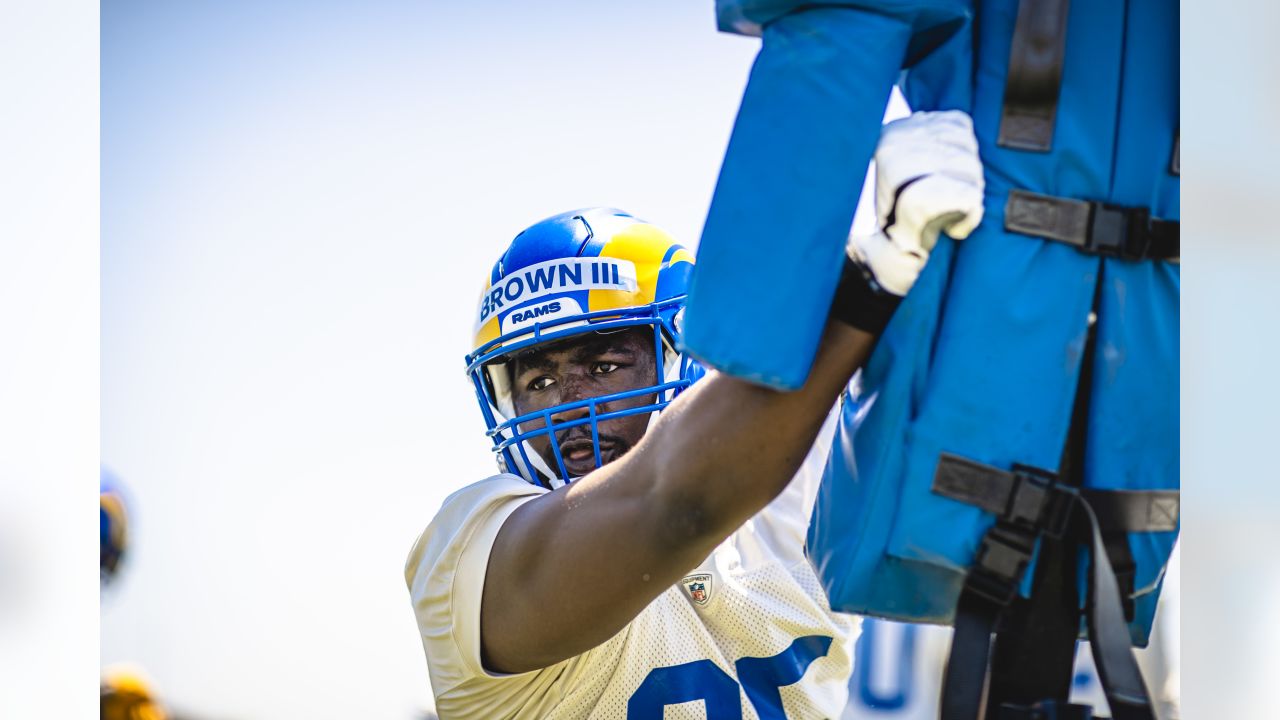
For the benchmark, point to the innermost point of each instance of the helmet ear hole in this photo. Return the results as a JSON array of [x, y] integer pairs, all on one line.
[[498, 376]]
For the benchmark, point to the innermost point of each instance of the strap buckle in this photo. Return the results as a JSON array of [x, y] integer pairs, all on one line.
[[1038, 502], [1118, 231], [1097, 228], [1000, 563]]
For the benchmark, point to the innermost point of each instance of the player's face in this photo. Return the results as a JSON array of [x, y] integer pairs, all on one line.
[[579, 369]]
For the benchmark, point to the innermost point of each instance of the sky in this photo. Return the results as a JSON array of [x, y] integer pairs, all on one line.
[[300, 202]]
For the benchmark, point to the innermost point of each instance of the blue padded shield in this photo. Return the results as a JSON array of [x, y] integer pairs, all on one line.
[[773, 244], [982, 358]]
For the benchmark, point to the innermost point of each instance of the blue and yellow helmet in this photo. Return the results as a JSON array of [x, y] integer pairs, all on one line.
[[114, 526], [126, 693], [579, 272]]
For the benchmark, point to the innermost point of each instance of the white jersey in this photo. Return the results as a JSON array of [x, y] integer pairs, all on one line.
[[746, 634]]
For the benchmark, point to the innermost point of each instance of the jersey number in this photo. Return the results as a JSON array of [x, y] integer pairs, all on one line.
[[875, 646], [762, 681]]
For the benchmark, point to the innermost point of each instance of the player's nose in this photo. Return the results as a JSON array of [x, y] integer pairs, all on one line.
[[570, 414], [572, 392]]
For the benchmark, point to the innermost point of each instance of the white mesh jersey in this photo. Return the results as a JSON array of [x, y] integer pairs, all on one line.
[[747, 634]]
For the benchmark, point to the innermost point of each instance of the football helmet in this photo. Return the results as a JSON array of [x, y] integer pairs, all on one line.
[[127, 694], [583, 271], [113, 526]]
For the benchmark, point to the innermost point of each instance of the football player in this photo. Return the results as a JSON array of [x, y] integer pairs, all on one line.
[[126, 694], [113, 527], [125, 691], [640, 554]]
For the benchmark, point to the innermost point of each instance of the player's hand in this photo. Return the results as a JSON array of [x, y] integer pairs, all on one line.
[[928, 180]]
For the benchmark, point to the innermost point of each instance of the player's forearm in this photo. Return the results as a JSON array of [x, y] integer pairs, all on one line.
[[728, 447]]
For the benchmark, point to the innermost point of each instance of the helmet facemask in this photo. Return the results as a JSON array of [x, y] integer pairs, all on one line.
[[511, 433]]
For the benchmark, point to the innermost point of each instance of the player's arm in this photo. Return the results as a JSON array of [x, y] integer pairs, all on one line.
[[573, 567]]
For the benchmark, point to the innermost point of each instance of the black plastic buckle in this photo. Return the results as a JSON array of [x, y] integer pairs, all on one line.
[[1108, 229], [1119, 232], [1038, 502], [1001, 561]]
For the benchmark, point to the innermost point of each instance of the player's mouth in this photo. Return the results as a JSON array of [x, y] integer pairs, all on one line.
[[579, 455]]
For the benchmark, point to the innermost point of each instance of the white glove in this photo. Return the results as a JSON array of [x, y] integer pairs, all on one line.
[[928, 180]]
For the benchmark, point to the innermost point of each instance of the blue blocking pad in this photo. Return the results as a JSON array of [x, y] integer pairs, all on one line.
[[943, 379], [983, 357], [772, 247]]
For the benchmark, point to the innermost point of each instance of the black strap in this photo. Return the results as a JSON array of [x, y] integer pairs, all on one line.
[[1034, 651], [1025, 497], [1126, 569], [1175, 162], [991, 584], [1030, 498], [1121, 512], [1032, 86], [1109, 635], [966, 675], [1029, 503], [1093, 227], [1134, 510]]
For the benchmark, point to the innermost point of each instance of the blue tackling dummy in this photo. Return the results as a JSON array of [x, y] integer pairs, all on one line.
[[977, 373]]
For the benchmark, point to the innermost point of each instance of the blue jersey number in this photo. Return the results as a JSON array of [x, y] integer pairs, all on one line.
[[869, 655], [701, 680], [762, 680]]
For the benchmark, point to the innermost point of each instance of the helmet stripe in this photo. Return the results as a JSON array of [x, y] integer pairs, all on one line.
[[644, 245]]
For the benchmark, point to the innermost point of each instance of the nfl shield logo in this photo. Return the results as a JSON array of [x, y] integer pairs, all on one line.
[[698, 592], [698, 588]]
